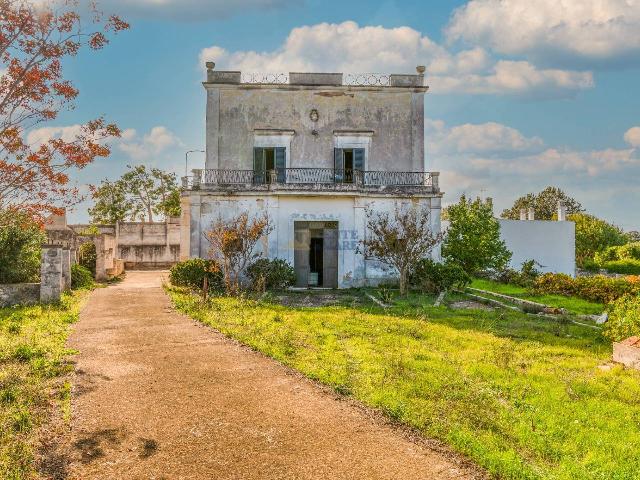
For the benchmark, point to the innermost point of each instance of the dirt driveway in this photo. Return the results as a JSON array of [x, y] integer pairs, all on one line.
[[158, 396]]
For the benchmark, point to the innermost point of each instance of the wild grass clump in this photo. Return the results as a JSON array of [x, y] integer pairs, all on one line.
[[33, 356]]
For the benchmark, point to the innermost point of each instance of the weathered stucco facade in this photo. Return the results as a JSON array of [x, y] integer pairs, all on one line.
[[389, 121], [311, 151]]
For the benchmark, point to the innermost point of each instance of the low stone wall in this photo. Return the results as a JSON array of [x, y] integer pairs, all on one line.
[[117, 269], [149, 245], [19, 294]]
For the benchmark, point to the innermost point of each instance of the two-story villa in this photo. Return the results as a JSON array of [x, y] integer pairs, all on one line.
[[312, 150]]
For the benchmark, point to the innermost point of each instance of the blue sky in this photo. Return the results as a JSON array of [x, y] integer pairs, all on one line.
[[523, 94]]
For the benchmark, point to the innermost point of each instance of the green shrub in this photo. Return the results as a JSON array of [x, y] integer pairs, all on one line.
[[594, 235], [630, 251], [624, 267], [87, 256], [81, 277], [276, 274], [590, 266], [434, 277], [595, 289], [20, 241], [525, 277], [386, 294], [191, 273], [624, 318]]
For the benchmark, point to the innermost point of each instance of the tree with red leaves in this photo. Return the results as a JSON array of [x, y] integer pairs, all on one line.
[[35, 38]]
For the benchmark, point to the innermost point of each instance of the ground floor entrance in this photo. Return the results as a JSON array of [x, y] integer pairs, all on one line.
[[316, 254]]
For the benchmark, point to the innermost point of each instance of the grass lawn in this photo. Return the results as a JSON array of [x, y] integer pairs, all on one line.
[[32, 360], [572, 304], [522, 396]]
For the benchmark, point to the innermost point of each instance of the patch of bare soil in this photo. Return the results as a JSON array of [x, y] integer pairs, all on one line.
[[470, 305], [159, 396]]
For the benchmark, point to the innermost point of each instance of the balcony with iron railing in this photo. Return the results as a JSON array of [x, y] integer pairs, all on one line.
[[313, 179]]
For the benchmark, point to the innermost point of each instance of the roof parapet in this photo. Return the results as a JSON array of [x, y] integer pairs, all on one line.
[[316, 78]]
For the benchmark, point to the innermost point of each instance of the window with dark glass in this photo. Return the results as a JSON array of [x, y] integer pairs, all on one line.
[[267, 162], [348, 163]]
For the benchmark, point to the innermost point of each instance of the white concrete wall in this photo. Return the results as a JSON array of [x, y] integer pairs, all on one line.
[[284, 210], [551, 244]]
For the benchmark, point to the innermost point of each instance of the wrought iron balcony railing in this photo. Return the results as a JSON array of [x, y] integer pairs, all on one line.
[[311, 178]]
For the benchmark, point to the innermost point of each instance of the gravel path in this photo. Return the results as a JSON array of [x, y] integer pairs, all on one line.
[[158, 396]]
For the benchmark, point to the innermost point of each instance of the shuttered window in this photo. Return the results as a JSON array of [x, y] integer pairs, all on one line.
[[348, 161], [269, 159]]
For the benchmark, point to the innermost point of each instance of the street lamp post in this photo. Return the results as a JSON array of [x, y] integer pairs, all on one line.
[[186, 160]]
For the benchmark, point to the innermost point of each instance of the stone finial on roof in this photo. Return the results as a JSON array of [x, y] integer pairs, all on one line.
[[210, 67], [421, 69]]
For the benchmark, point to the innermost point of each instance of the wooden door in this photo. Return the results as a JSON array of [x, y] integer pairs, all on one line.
[[330, 258]]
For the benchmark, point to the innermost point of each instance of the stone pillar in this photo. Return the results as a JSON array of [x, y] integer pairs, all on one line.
[[195, 227], [435, 181], [197, 177], [212, 128], [51, 279], [562, 212], [532, 214], [101, 267], [66, 268], [185, 226]]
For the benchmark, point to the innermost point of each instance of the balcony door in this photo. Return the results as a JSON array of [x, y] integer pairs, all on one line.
[[348, 161], [268, 160]]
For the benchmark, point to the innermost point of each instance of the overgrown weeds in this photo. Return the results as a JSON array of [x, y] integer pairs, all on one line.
[[33, 357]]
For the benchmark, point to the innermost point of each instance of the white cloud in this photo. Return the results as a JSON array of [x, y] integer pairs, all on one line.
[[598, 178], [158, 140], [486, 138], [587, 32], [42, 135], [632, 136], [498, 151], [347, 47]]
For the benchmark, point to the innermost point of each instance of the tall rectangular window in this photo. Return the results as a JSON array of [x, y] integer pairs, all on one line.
[[348, 163], [269, 160]]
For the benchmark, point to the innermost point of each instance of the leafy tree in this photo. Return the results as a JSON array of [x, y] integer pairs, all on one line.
[[633, 236], [170, 206], [473, 239], [594, 235], [150, 191], [545, 204], [20, 241], [138, 194], [233, 244], [111, 203], [400, 240], [35, 41]]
